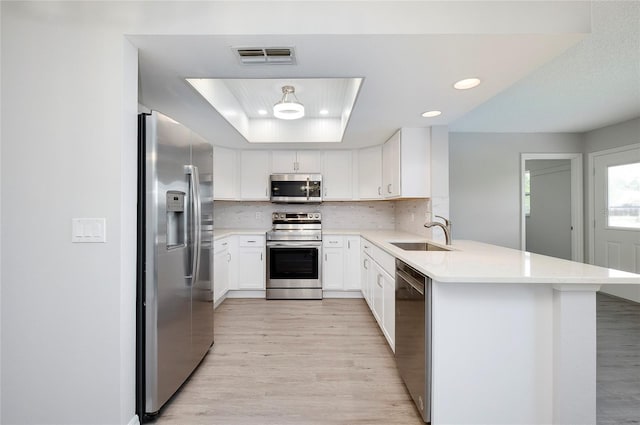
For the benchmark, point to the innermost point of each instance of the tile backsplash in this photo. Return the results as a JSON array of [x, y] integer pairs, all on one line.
[[411, 214], [335, 215], [408, 215]]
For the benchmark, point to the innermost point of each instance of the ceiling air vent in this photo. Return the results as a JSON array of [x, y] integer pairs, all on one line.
[[267, 55]]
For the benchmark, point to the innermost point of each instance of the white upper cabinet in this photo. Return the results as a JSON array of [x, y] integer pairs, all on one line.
[[283, 162], [255, 167], [370, 173], [309, 162], [405, 164], [337, 175], [296, 162], [224, 173], [391, 167]]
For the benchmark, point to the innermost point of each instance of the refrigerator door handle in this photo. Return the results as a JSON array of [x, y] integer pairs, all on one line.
[[196, 216]]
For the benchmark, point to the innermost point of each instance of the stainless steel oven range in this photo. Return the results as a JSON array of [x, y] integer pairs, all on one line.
[[293, 256]]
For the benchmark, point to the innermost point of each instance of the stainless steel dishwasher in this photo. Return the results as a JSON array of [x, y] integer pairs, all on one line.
[[413, 334]]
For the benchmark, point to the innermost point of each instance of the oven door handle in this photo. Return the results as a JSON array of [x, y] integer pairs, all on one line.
[[294, 244]]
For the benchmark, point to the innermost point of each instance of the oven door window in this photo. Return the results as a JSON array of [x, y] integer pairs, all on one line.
[[293, 263]]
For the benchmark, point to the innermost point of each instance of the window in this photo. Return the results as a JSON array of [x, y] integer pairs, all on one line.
[[527, 193], [623, 196]]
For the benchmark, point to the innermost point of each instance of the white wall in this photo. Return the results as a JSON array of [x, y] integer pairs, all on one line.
[[484, 175], [614, 136], [68, 150], [548, 228]]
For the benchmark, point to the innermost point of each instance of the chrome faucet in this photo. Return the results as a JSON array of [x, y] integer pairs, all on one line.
[[446, 227]]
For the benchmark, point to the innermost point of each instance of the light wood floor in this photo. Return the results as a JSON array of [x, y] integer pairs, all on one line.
[[294, 362], [310, 362], [618, 389]]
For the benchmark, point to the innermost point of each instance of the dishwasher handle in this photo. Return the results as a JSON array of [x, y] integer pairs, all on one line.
[[413, 282]]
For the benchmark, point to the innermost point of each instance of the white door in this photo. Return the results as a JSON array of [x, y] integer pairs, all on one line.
[[617, 215]]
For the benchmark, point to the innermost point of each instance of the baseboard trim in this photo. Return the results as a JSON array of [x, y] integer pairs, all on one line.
[[236, 293], [342, 294]]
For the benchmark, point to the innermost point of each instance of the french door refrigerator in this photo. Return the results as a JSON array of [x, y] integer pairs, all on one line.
[[175, 234]]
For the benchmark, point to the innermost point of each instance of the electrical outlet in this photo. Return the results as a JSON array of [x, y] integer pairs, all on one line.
[[258, 215], [413, 217]]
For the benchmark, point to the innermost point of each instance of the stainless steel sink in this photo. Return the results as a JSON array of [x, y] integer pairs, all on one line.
[[418, 246]]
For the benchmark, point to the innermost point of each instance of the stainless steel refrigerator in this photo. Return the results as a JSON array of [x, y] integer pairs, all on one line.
[[175, 234]]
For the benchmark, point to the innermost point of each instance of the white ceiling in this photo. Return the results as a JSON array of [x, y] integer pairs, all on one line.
[[594, 84], [407, 74]]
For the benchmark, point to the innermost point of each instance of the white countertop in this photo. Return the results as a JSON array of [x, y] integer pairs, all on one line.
[[476, 262], [223, 233]]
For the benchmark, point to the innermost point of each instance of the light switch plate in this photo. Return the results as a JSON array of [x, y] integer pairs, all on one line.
[[88, 230]]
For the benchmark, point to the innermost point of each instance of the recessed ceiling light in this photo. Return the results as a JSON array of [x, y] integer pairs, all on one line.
[[467, 83], [431, 114], [262, 112], [323, 112]]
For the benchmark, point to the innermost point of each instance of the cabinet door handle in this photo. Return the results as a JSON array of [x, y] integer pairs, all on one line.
[[348, 244], [389, 188], [379, 190], [251, 241], [378, 281], [228, 256], [364, 264], [333, 241], [224, 243], [325, 256], [260, 256]]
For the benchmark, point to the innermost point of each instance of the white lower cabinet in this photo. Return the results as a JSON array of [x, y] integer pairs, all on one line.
[[239, 264], [332, 263], [376, 293], [352, 263], [251, 262], [389, 308], [341, 264], [221, 259], [379, 287]]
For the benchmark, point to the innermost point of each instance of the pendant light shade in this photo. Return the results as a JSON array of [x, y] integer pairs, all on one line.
[[289, 108]]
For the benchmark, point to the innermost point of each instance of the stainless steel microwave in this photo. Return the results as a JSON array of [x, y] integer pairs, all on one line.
[[296, 188]]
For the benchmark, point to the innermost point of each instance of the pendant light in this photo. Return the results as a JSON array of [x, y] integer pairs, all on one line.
[[288, 108]]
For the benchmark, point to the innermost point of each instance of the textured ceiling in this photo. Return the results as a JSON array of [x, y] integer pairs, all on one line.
[[594, 84]]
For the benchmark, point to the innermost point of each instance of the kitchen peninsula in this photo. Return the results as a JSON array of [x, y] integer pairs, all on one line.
[[513, 333]]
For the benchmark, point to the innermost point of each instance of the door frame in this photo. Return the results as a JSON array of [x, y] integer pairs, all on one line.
[[591, 204], [577, 206]]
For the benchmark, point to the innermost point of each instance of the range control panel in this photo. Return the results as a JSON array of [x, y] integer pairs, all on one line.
[[284, 217]]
